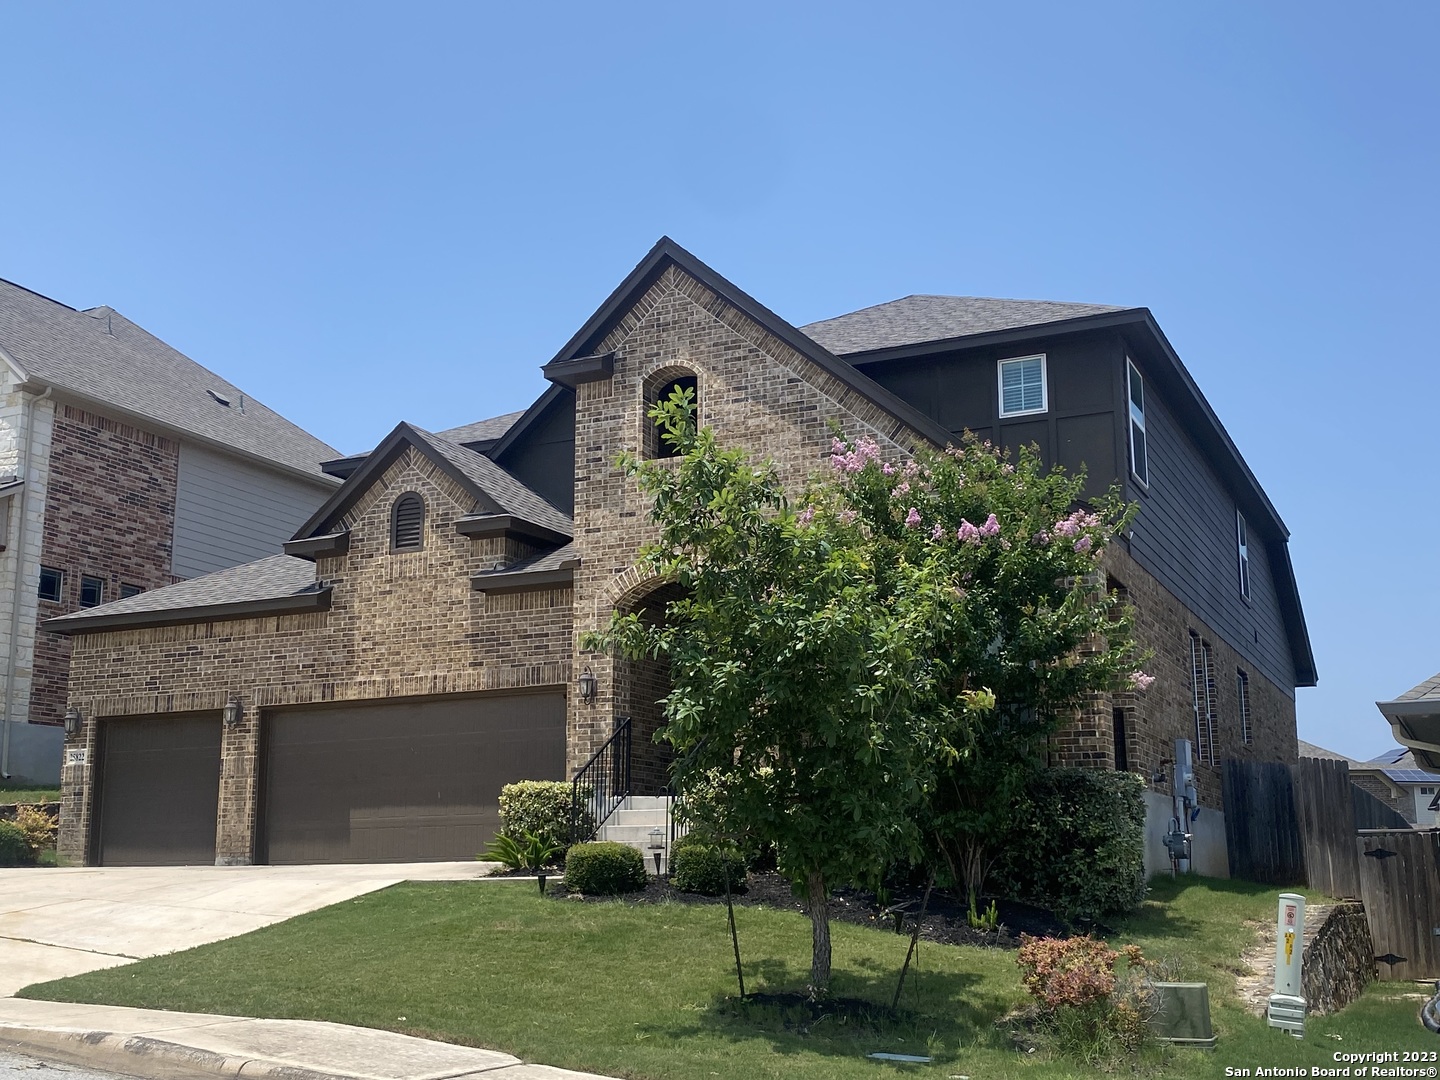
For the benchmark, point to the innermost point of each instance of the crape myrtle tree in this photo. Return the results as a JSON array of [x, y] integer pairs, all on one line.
[[1031, 621], [835, 658]]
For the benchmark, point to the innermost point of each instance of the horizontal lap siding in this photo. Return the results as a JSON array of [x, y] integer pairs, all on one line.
[[1185, 536], [229, 512]]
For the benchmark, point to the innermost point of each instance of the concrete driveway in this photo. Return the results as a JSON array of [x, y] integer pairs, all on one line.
[[59, 922]]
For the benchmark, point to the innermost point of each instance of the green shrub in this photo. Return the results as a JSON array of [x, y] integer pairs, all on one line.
[[604, 869], [37, 827], [1078, 844], [701, 867], [540, 808], [15, 849]]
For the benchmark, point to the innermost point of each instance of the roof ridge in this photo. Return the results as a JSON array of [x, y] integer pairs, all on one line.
[[34, 292]]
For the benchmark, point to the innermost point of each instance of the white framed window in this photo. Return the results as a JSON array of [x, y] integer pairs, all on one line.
[[1242, 689], [1242, 550], [1022, 386], [1139, 458]]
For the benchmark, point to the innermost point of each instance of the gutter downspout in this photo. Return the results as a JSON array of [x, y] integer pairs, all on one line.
[[29, 417]]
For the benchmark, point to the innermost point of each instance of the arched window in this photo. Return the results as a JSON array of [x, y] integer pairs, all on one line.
[[407, 523], [658, 388]]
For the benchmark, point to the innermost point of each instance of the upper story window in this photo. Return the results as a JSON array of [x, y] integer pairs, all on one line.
[[407, 523], [128, 590], [1242, 550], [1139, 460], [52, 584], [92, 591], [659, 387], [1022, 386]]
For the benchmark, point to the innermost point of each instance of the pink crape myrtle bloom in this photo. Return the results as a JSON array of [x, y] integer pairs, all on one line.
[[967, 533], [991, 526], [846, 460], [1140, 681], [1082, 545], [806, 516], [912, 519], [901, 489], [937, 532]]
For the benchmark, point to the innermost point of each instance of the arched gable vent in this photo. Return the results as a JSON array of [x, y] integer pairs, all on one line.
[[658, 387], [407, 523]]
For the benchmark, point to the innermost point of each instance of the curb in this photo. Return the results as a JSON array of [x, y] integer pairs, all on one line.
[[159, 1060]]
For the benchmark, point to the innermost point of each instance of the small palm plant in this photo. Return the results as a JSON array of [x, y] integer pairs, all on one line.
[[531, 852]]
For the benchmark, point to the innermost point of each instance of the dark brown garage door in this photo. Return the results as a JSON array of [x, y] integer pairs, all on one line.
[[159, 790], [402, 781]]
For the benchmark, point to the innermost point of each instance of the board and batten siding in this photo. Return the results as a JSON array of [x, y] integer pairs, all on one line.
[[1185, 536], [229, 512]]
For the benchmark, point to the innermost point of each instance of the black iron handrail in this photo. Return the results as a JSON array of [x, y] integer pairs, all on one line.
[[601, 785]]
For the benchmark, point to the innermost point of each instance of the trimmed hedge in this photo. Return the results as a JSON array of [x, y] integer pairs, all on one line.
[[701, 867], [541, 808], [1077, 845], [15, 848], [604, 868]]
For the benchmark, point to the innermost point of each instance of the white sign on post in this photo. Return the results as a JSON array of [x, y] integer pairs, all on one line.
[[1287, 1003]]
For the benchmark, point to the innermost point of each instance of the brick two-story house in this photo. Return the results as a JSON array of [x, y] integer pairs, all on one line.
[[124, 466], [365, 694]]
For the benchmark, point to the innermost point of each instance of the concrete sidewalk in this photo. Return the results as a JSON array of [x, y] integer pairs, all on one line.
[[150, 1043]]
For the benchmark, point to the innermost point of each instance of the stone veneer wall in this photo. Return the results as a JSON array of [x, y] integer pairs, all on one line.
[[404, 624], [1339, 958], [109, 513], [1165, 712], [754, 390]]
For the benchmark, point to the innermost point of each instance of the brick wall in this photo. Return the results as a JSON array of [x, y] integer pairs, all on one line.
[[404, 624], [109, 514], [754, 390], [1156, 718]]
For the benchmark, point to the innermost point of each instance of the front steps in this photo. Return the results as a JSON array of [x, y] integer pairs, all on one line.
[[632, 825]]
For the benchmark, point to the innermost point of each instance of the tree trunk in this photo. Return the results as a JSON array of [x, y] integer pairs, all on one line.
[[819, 906]]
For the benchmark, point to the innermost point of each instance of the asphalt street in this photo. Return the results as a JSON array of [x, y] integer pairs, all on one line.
[[20, 1067]]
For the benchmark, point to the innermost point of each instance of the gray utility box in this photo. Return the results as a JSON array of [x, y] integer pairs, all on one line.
[[1183, 1016]]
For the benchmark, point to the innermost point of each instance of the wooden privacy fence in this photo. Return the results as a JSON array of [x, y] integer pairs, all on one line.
[[1400, 887], [1326, 815], [1262, 833]]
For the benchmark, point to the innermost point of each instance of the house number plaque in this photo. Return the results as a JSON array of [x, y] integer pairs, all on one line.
[[76, 757]]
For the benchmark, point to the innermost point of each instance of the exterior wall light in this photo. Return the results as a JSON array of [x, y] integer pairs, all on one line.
[[232, 713], [73, 720], [588, 685]]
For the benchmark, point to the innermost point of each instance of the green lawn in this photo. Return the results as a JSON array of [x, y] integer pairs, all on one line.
[[647, 992], [15, 792]]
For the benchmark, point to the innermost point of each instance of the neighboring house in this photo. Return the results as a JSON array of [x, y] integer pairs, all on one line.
[[364, 695], [1414, 719], [1393, 778], [124, 466]]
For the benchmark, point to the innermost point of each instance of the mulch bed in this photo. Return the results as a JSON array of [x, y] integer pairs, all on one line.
[[945, 920]]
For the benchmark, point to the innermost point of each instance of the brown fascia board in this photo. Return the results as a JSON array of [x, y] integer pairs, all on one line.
[[299, 604], [479, 526], [342, 468], [582, 369], [522, 580], [667, 252], [316, 547]]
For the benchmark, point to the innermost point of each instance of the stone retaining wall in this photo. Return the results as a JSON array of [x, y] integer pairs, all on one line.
[[1339, 958]]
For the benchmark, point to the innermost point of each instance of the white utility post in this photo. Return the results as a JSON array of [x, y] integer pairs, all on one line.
[[1287, 1003]]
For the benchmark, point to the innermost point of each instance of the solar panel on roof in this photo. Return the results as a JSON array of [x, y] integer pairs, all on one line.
[[1411, 776]]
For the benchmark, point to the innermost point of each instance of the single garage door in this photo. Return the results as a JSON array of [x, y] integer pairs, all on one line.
[[402, 781], [159, 790]]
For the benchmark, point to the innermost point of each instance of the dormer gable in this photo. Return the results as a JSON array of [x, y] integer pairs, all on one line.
[[498, 503]]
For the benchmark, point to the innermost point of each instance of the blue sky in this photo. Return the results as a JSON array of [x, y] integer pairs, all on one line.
[[365, 213]]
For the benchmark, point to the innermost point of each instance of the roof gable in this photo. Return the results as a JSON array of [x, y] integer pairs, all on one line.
[[582, 346], [494, 490]]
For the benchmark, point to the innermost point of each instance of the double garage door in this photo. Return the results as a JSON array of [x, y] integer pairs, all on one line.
[[390, 782]]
